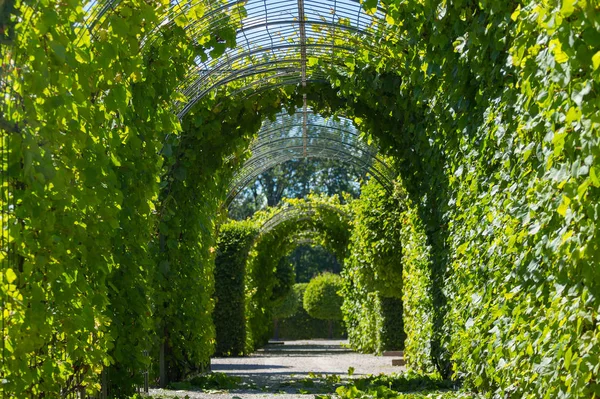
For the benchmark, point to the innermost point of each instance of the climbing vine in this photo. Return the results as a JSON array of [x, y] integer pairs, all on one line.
[[491, 114], [373, 272], [80, 125], [229, 316]]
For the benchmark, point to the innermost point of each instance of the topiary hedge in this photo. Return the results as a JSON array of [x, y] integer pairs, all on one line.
[[302, 326], [322, 299], [229, 315]]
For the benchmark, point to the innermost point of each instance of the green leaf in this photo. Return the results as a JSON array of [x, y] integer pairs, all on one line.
[[595, 176], [516, 13], [567, 7], [10, 275], [115, 160], [59, 50], [181, 20], [564, 206], [568, 357], [596, 60]]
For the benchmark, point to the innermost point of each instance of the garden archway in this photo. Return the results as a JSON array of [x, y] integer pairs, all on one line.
[[325, 220], [487, 108]]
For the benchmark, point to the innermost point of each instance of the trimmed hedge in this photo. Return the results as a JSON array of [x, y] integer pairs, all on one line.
[[229, 315], [302, 326], [322, 299]]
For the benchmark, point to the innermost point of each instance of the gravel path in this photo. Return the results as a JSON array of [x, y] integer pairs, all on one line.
[[288, 371]]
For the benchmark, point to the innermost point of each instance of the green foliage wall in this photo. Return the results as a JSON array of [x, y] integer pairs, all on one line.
[[373, 272], [110, 249], [83, 162], [492, 114], [229, 315], [489, 108], [417, 301], [193, 190], [215, 134]]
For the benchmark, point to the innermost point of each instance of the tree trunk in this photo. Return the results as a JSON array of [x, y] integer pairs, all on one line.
[[330, 322], [162, 366], [276, 329]]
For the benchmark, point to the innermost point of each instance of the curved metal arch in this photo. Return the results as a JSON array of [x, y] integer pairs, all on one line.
[[275, 40], [298, 213], [287, 138], [257, 74], [286, 32]]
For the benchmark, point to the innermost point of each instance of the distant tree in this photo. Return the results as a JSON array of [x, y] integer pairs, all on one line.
[[295, 179], [311, 260], [322, 299]]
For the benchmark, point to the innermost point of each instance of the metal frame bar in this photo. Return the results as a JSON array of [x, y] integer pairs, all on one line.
[[285, 139]]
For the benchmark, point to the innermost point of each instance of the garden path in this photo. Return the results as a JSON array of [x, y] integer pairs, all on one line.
[[293, 370]]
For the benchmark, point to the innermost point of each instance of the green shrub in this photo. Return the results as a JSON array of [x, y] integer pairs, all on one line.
[[233, 244], [302, 326], [322, 299]]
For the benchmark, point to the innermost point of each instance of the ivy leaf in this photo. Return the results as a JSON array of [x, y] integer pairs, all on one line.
[[59, 50], [564, 206], [595, 176], [115, 159], [559, 55], [568, 357], [181, 20], [580, 91]]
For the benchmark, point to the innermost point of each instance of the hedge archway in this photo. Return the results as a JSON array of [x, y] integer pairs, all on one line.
[[325, 221], [489, 109]]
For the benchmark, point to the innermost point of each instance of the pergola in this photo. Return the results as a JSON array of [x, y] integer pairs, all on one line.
[[278, 43]]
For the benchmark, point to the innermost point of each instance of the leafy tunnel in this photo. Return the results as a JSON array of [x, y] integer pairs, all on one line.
[[126, 126]]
